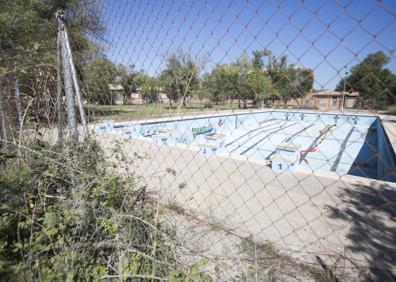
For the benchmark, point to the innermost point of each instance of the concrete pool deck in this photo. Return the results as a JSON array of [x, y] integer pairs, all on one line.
[[339, 218]]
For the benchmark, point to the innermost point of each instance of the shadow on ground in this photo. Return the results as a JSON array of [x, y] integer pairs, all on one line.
[[372, 213]]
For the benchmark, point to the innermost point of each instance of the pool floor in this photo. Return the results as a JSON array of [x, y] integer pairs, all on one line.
[[338, 143], [335, 152]]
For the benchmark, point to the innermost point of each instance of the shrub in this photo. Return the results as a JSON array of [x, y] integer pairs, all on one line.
[[64, 215]]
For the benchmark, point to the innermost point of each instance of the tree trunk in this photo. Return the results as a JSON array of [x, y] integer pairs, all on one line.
[[244, 103], [170, 103], [239, 103]]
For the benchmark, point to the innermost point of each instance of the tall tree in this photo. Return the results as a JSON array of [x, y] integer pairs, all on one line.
[[129, 81], [301, 82], [170, 78], [181, 77], [243, 67], [98, 75], [289, 81], [148, 87], [260, 85], [375, 83], [222, 83]]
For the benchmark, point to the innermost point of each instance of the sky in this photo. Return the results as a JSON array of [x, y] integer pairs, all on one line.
[[329, 37]]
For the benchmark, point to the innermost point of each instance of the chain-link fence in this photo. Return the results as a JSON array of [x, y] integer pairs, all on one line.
[[198, 140]]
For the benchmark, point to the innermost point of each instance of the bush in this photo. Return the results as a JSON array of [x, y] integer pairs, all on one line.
[[66, 216]]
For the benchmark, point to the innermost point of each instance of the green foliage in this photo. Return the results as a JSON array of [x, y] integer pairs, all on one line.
[[180, 79], [257, 80], [192, 274], [130, 81], [260, 85], [222, 83], [375, 84], [289, 81], [28, 32], [148, 87], [230, 81], [97, 75], [65, 216]]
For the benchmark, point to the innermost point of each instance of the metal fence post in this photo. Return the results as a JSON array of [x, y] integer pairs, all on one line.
[[59, 106], [2, 116], [75, 83], [67, 80], [18, 102]]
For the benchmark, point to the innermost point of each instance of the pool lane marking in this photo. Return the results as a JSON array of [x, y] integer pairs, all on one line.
[[278, 127], [342, 149], [298, 132], [243, 135], [312, 148], [290, 138], [266, 136]]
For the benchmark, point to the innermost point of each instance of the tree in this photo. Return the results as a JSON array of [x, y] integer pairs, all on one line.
[[222, 83], [260, 85], [289, 81], [241, 80], [97, 75], [203, 91], [180, 78], [129, 82], [28, 32], [169, 80], [243, 67], [301, 81], [148, 87], [189, 78], [228, 81], [375, 84], [258, 56]]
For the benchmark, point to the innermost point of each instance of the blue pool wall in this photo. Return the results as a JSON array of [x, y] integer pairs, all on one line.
[[386, 168], [376, 158], [234, 121]]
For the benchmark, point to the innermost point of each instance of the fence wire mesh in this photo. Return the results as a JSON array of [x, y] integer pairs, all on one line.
[[198, 140]]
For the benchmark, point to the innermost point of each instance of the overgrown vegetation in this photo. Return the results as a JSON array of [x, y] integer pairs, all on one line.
[[375, 83], [28, 32], [66, 216], [267, 263]]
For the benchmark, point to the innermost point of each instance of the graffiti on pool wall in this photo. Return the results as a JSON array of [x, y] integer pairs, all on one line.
[[220, 123], [201, 130]]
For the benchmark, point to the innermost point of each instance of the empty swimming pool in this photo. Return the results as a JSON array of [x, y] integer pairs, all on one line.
[[288, 141]]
